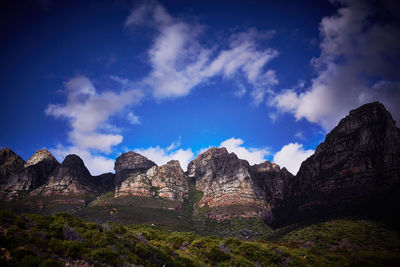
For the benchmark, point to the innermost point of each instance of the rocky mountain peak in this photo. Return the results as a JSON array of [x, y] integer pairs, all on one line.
[[71, 179], [267, 166], [167, 182], [129, 163], [226, 182], [39, 156], [370, 123], [356, 170], [10, 161], [132, 161], [73, 166]]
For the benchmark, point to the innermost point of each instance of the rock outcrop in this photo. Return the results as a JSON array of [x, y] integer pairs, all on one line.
[[355, 171], [30, 175], [71, 179], [167, 182], [276, 184], [130, 163], [228, 186]]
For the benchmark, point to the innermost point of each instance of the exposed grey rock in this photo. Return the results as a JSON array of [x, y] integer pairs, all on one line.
[[36, 172], [71, 179], [130, 163], [227, 184], [276, 184], [167, 181]]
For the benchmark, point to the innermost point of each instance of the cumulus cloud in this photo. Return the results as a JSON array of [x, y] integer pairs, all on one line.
[[291, 156], [162, 155], [88, 113], [251, 154], [359, 63], [180, 61]]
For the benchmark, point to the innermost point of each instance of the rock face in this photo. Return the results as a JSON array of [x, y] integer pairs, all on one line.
[[72, 178], [30, 175], [130, 163], [356, 170], [167, 182], [11, 165], [228, 186], [276, 184]]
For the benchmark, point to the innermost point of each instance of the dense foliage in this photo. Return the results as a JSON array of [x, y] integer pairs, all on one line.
[[60, 239]]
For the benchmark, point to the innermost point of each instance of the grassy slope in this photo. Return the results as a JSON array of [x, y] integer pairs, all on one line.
[[61, 238]]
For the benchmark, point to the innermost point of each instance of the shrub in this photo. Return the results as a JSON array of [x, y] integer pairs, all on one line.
[[105, 255]]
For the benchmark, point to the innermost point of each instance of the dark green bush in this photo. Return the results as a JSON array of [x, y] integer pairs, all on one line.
[[105, 255]]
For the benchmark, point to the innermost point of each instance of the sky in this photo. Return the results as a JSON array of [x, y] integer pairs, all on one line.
[[170, 79]]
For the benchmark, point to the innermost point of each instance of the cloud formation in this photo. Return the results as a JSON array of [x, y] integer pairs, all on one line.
[[162, 155], [251, 154], [359, 63], [291, 156], [180, 61], [88, 113]]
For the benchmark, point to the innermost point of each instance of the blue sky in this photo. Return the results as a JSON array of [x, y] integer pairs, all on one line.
[[168, 79]]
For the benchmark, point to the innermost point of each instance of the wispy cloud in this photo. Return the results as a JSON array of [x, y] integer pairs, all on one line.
[[133, 119], [88, 113], [180, 61], [359, 63]]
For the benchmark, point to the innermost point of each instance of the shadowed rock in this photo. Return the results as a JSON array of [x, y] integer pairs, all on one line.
[[36, 172], [355, 171], [130, 163], [72, 178]]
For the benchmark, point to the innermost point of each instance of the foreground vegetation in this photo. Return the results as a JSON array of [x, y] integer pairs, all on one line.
[[62, 239]]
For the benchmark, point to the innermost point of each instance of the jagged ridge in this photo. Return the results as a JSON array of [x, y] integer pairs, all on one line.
[[355, 171]]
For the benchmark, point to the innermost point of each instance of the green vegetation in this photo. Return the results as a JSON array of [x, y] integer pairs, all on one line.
[[61, 239]]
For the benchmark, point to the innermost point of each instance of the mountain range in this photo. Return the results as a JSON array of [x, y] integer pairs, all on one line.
[[354, 172]]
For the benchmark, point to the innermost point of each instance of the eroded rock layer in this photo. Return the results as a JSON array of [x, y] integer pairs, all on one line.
[[23, 177], [276, 184], [356, 170], [167, 181], [226, 181], [130, 163], [71, 179]]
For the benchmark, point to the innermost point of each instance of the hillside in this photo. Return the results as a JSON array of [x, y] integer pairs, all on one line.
[[61, 239]]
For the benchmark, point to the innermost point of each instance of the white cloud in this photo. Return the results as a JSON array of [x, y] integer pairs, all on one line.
[[299, 135], [133, 119], [96, 164], [358, 54], [241, 91], [162, 155], [180, 61], [251, 154], [88, 113], [291, 156]]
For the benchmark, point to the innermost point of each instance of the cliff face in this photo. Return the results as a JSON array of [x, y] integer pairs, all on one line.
[[10, 165], [228, 186], [71, 179], [167, 181], [27, 176], [276, 184], [130, 163], [356, 170]]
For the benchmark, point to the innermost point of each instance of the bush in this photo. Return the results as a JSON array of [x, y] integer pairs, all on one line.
[[105, 255]]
